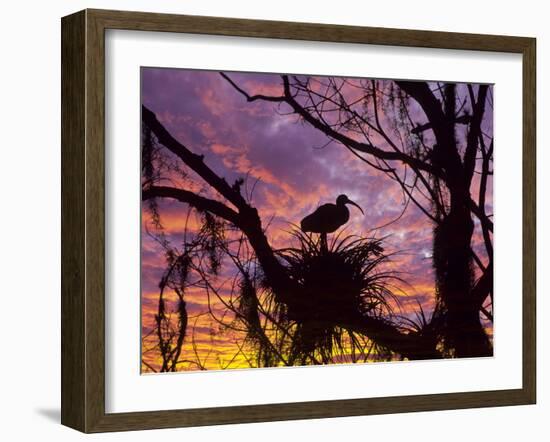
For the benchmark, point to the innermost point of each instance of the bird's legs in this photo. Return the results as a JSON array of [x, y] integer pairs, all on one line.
[[324, 243]]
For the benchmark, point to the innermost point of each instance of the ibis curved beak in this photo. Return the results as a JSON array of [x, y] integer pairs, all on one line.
[[356, 205]]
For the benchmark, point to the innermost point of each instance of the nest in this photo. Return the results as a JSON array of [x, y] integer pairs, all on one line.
[[337, 285]]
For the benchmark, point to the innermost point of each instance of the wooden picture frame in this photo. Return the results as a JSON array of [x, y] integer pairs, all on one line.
[[83, 220]]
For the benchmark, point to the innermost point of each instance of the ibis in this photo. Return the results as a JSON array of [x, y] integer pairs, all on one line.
[[328, 218]]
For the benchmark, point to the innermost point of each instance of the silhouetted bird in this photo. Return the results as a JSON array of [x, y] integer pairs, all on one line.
[[328, 218]]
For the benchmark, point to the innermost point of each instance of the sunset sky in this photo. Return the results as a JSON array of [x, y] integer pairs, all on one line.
[[295, 170]]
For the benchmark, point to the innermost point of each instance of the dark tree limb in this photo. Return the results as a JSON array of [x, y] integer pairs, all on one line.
[[420, 91], [199, 202], [367, 148], [194, 161], [443, 128], [250, 98], [474, 131], [247, 219], [463, 119], [410, 346], [483, 287], [481, 215], [487, 154]]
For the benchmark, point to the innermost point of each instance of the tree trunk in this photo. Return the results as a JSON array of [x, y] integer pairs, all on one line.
[[463, 332]]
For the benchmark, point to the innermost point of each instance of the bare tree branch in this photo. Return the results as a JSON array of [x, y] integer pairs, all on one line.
[[334, 134], [475, 130], [199, 202]]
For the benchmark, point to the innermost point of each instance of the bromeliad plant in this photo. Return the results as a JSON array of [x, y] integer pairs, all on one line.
[[337, 287]]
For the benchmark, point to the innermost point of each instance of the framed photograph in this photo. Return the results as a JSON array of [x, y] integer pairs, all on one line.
[[266, 221]]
